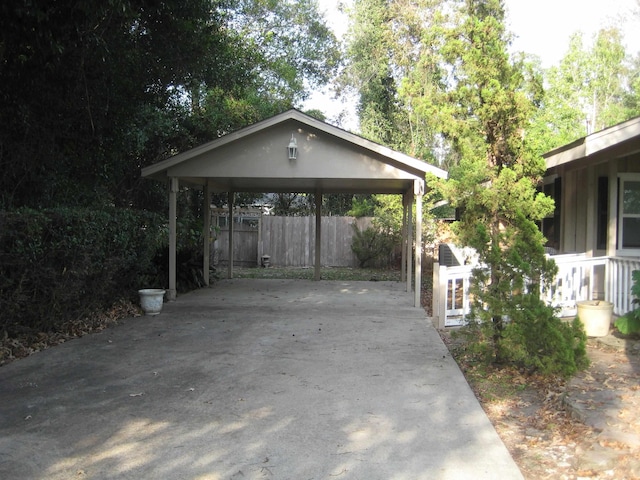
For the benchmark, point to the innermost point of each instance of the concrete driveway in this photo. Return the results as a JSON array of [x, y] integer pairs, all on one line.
[[252, 379]]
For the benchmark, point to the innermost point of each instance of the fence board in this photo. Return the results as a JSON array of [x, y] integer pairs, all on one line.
[[290, 242], [245, 252]]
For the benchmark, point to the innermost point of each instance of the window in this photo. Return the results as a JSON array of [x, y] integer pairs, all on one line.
[[629, 226]]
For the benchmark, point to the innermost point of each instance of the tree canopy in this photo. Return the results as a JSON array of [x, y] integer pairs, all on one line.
[[92, 91]]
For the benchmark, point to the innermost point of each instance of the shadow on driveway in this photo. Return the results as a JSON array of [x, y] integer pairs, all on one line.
[[252, 379]]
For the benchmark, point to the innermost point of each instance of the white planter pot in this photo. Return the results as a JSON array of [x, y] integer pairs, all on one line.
[[151, 300], [596, 316]]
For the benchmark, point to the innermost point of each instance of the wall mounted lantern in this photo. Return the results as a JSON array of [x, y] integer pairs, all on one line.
[[293, 148]]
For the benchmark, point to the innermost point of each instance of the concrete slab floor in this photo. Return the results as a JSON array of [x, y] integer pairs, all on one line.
[[252, 379]]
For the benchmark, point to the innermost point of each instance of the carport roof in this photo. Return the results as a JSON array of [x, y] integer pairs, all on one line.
[[330, 160]]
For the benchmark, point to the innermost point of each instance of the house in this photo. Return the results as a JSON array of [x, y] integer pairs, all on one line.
[[595, 182], [593, 234]]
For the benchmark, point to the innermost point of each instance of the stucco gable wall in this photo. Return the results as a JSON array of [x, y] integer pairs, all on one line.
[[264, 154]]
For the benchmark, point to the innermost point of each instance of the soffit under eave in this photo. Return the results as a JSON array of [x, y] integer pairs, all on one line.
[[325, 185], [616, 141], [616, 151]]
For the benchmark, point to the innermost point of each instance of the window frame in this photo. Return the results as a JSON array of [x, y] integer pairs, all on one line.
[[620, 248]]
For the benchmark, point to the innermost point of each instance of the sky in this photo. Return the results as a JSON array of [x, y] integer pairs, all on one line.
[[541, 27]]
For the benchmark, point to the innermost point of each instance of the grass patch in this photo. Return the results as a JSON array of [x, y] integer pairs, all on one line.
[[326, 273]]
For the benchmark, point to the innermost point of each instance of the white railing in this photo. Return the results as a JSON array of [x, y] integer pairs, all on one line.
[[618, 283], [579, 278]]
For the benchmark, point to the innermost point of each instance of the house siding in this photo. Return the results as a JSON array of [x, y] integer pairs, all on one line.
[[574, 197], [575, 203]]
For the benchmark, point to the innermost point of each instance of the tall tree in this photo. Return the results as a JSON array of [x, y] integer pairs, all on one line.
[[384, 44], [91, 91], [487, 105], [590, 89], [370, 52]]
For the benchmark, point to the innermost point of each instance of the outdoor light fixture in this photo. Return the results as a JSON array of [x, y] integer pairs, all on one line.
[[293, 148]]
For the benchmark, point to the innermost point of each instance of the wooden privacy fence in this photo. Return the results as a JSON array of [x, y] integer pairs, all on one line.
[[289, 241]]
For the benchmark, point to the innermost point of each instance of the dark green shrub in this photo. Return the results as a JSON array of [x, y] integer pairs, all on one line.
[[540, 342], [629, 324], [371, 245], [532, 338], [59, 264]]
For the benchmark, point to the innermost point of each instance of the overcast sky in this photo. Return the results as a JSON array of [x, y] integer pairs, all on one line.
[[541, 27]]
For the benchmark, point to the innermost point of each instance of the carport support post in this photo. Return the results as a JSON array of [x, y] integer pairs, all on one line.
[[418, 187], [230, 222], [206, 233], [173, 191], [409, 238], [403, 261], [316, 274]]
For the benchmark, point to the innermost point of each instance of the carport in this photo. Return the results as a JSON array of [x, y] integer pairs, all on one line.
[[295, 153]]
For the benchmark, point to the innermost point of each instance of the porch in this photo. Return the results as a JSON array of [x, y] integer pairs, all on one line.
[[579, 278]]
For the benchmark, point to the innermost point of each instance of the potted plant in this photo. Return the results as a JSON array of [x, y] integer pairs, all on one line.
[[151, 300]]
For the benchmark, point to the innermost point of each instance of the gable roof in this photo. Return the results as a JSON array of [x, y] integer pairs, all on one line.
[[613, 142], [330, 159]]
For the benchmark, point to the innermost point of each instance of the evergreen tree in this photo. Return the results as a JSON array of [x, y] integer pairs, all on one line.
[[488, 104]]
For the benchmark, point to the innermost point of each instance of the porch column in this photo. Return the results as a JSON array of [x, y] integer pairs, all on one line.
[[403, 260], [418, 189], [230, 222], [173, 191], [316, 274], [206, 233], [409, 196], [612, 227]]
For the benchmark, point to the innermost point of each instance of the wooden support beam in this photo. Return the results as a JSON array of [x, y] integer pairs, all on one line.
[[173, 209], [419, 192], [318, 257], [409, 239], [206, 233], [230, 220]]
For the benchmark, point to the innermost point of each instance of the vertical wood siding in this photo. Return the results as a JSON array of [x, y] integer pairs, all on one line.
[[290, 242]]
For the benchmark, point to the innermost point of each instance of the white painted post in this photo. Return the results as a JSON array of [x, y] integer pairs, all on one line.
[[316, 274], [173, 202], [403, 261], [443, 287], [206, 233], [260, 251], [435, 296], [230, 221], [418, 186], [409, 239]]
